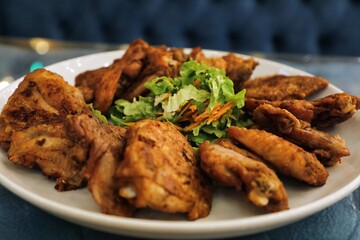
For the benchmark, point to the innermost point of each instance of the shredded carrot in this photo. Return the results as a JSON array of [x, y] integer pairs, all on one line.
[[220, 112], [196, 82], [191, 126], [185, 108]]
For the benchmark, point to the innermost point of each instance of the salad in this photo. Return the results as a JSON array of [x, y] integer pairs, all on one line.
[[200, 102]]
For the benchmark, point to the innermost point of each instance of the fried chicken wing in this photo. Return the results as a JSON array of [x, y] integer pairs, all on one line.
[[229, 144], [158, 61], [261, 184], [105, 146], [323, 112], [160, 171], [42, 97], [281, 87], [284, 156], [50, 148], [329, 149], [334, 109]]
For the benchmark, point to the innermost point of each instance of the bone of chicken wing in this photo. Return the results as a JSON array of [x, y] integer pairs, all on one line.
[[105, 146], [262, 186], [323, 112], [160, 171], [284, 156], [50, 148], [329, 149], [281, 87], [42, 97]]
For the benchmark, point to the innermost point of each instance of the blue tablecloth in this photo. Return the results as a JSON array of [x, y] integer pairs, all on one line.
[[21, 220]]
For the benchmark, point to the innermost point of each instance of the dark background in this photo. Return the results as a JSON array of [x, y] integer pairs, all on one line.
[[326, 27]]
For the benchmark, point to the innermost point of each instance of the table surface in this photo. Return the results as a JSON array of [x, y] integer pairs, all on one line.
[[21, 220]]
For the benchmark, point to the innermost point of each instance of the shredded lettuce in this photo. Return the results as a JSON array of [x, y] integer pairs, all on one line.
[[200, 101]]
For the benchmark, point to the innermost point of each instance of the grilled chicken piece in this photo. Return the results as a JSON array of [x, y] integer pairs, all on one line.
[[329, 149], [105, 146], [284, 156], [237, 68], [323, 112], [49, 147], [261, 184], [281, 87], [160, 171], [42, 97]]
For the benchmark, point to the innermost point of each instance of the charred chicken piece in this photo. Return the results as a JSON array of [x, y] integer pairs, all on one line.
[[281, 87], [160, 171], [261, 184], [42, 97], [105, 146], [284, 156], [328, 149], [323, 112], [48, 147]]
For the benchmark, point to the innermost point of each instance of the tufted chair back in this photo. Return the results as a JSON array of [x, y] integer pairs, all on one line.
[[329, 27]]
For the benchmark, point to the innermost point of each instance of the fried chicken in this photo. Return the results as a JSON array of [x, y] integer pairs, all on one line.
[[261, 184], [33, 132], [324, 112], [329, 149], [141, 63], [334, 109], [284, 156], [158, 61], [281, 87], [48, 147], [229, 144], [237, 68], [160, 171], [42, 97], [105, 146]]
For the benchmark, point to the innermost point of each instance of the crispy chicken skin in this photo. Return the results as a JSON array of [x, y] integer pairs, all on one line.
[[328, 149], [281, 87], [42, 97], [105, 145], [261, 184], [323, 112], [334, 109], [50, 148], [160, 171], [228, 143], [284, 156]]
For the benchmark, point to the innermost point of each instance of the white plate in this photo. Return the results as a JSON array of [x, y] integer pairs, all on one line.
[[231, 215]]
